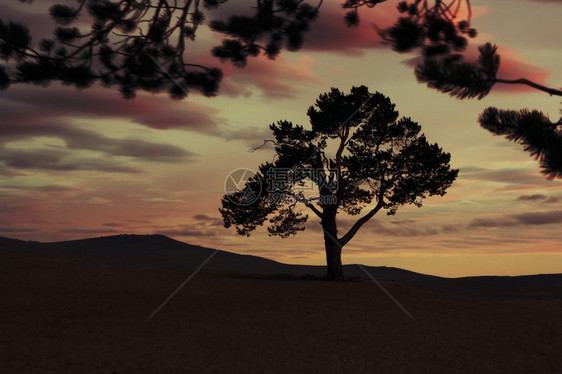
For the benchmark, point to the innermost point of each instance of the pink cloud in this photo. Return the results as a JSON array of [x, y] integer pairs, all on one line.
[[330, 34], [513, 66]]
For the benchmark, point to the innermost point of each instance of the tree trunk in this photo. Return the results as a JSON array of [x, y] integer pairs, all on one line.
[[333, 259], [333, 248]]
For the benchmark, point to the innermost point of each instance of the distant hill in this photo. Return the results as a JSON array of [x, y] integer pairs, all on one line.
[[161, 251], [152, 250]]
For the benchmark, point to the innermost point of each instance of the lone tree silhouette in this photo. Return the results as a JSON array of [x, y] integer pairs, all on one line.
[[377, 162]]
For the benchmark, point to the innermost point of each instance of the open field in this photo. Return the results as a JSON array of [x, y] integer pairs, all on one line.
[[77, 316]]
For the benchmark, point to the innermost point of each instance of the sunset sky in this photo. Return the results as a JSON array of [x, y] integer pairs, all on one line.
[[77, 164]]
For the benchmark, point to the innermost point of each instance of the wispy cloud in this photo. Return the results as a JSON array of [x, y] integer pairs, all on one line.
[[26, 104], [80, 139], [57, 160], [282, 78], [541, 198], [504, 176], [522, 219]]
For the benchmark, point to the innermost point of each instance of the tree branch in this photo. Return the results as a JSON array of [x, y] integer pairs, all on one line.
[[253, 149], [360, 222], [527, 82], [314, 209]]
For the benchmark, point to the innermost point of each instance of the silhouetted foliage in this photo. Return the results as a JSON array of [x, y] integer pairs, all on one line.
[[462, 79], [126, 43], [274, 25], [140, 44], [532, 129], [146, 44], [377, 158], [434, 29], [351, 18]]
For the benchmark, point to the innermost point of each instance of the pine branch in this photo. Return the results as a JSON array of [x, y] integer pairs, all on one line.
[[529, 83], [470, 79], [533, 130]]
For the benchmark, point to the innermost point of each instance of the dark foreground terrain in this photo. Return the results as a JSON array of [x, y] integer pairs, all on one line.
[[71, 315]]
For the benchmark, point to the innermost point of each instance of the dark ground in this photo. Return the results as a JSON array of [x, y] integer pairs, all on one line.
[[78, 316]]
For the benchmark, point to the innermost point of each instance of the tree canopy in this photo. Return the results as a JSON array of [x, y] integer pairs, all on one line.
[[371, 160]]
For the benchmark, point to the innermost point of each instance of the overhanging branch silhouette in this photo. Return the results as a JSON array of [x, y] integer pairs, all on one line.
[[529, 83]]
